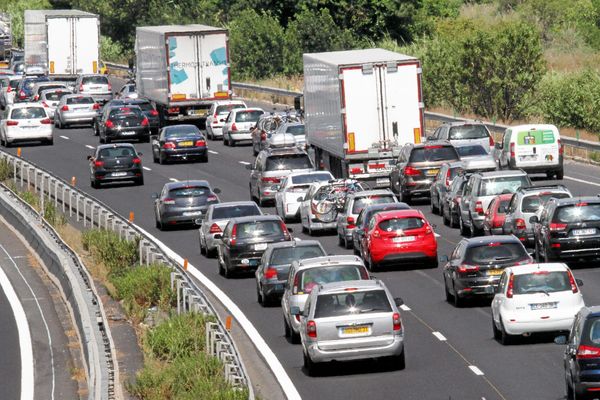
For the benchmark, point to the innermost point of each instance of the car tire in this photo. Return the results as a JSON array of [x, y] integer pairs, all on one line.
[[287, 331], [204, 158], [57, 123], [107, 140], [475, 231], [227, 273], [457, 300], [445, 219], [2, 142], [348, 244], [254, 152], [496, 331], [294, 337], [259, 296], [154, 158], [221, 269], [139, 182], [372, 266], [398, 362], [202, 247], [505, 338], [449, 297], [462, 227], [311, 368], [341, 242], [50, 142], [432, 263], [162, 160], [435, 209], [231, 142], [94, 184]]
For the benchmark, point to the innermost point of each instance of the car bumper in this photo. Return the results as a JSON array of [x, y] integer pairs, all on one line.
[[174, 218], [414, 257], [290, 210], [576, 251], [240, 136], [72, 118], [18, 136], [245, 263], [401, 253], [530, 325], [482, 286], [393, 348], [186, 153], [211, 242], [527, 238], [273, 289], [217, 130], [478, 222], [496, 231], [133, 133], [321, 226], [109, 177]]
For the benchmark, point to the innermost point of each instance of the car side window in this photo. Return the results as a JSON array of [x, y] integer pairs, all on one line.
[[575, 329], [502, 284], [257, 164], [371, 223], [291, 275], [456, 253]]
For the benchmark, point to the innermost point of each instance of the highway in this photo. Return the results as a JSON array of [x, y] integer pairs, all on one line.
[[450, 352]]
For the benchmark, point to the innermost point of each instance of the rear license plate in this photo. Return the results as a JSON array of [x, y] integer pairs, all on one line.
[[119, 174], [127, 133], [494, 272], [197, 112], [582, 232], [260, 246], [278, 286], [528, 158], [403, 239], [543, 306], [355, 330], [433, 172], [383, 181], [81, 109], [29, 127], [192, 213], [186, 144]]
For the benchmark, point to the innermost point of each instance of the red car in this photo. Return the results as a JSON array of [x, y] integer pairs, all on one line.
[[399, 237], [495, 214]]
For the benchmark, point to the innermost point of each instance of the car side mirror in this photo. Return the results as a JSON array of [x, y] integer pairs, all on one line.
[[155, 195], [300, 199], [398, 301], [276, 187], [218, 236], [290, 230], [216, 190], [430, 138], [222, 120], [140, 153], [498, 145], [579, 282], [295, 310], [444, 259], [562, 340], [89, 158], [534, 219], [198, 221]]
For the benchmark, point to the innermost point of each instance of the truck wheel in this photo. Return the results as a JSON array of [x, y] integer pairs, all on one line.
[[560, 174]]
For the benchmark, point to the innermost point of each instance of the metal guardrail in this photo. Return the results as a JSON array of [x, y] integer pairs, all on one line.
[[93, 213]]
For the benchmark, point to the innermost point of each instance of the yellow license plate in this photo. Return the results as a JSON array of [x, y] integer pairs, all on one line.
[[433, 172], [355, 330], [200, 112], [495, 272], [186, 144]]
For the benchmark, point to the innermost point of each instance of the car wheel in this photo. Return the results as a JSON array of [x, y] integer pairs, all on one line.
[[96, 129], [204, 158], [341, 240], [348, 244], [227, 273], [398, 362], [162, 160], [154, 158], [310, 230], [496, 331], [254, 151], [94, 184], [435, 209], [458, 301], [2, 142], [445, 219], [57, 123], [475, 231], [202, 247], [505, 338], [537, 252], [570, 392], [139, 181], [50, 142], [462, 227], [231, 142], [449, 297], [286, 329], [221, 269], [107, 140], [371, 265], [294, 337], [311, 367], [259, 296]]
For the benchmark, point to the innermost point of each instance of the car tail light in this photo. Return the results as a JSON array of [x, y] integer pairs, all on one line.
[[168, 145], [233, 236], [448, 177], [98, 163], [36, 97], [173, 110], [200, 143], [356, 170], [270, 179], [554, 227], [479, 208], [96, 106], [270, 273], [491, 141], [410, 171], [136, 160], [64, 108], [263, 136], [233, 127], [109, 87], [81, 87], [511, 284], [520, 224], [154, 113], [467, 268], [572, 282], [145, 122], [311, 329], [397, 321], [12, 123], [284, 229], [109, 124], [376, 234], [351, 223], [296, 283], [9, 89], [46, 121], [168, 201], [22, 94], [428, 230], [214, 228], [588, 352], [560, 147], [212, 197], [45, 104], [512, 150]]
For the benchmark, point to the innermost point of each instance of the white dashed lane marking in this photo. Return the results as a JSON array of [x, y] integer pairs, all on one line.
[[146, 168], [173, 180], [476, 370], [213, 152], [64, 137], [405, 307], [439, 336], [244, 162], [90, 147]]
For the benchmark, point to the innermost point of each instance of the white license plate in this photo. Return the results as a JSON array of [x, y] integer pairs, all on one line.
[[127, 133], [119, 174], [543, 306], [29, 127], [382, 181], [192, 213], [260, 246], [81, 109], [403, 239], [582, 232]]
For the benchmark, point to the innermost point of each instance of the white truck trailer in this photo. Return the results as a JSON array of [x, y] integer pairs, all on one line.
[[64, 43], [182, 69], [361, 107]]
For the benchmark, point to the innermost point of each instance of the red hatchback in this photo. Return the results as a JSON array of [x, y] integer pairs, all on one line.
[[495, 214], [400, 237]]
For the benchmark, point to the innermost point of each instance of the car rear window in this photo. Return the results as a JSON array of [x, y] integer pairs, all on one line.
[[532, 203], [145, 106], [226, 108], [28, 113], [495, 253], [189, 191], [117, 152], [46, 87], [502, 185], [394, 224], [502, 206], [235, 211], [369, 213], [592, 332], [577, 213], [94, 80], [80, 100], [311, 277], [290, 161], [471, 151], [285, 255], [362, 202], [296, 130], [433, 153], [126, 112], [338, 304], [258, 229], [181, 131], [54, 96], [310, 178], [541, 282], [248, 116], [468, 132]]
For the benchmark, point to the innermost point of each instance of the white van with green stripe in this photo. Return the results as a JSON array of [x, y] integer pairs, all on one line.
[[532, 148]]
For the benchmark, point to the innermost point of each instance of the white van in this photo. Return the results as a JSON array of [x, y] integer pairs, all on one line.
[[532, 148]]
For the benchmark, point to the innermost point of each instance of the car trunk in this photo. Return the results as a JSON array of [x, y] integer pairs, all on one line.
[[355, 331]]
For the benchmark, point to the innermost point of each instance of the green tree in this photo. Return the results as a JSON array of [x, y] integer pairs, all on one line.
[[256, 45]]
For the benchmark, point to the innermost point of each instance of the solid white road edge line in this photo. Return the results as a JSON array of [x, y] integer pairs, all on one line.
[[438, 335], [39, 307], [286, 384], [64, 137], [27, 382], [476, 370], [581, 180]]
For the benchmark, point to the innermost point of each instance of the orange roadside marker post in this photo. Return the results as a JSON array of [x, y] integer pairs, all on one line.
[[19, 152], [73, 181], [228, 322], [131, 216], [185, 264]]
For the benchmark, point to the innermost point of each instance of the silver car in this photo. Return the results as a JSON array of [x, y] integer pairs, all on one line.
[[355, 320], [296, 129], [464, 133], [306, 274], [239, 124], [217, 217], [355, 202], [50, 98], [94, 85], [75, 109], [40, 86], [476, 158], [292, 189]]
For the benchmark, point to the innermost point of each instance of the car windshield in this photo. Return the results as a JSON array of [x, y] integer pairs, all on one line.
[[578, 213], [235, 211], [285, 255], [494, 253], [296, 130], [54, 96], [532, 203], [339, 304], [189, 191], [248, 116], [28, 113], [94, 80], [80, 100], [396, 224], [226, 108], [258, 229], [433, 153], [468, 132], [116, 152], [290, 161], [310, 178], [501, 185], [311, 277], [181, 131], [541, 282], [364, 201], [471, 151]]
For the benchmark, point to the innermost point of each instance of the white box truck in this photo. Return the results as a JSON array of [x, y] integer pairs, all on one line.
[[361, 107], [64, 43], [182, 69]]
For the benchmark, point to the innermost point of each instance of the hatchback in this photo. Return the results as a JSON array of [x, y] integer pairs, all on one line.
[[535, 298], [465, 133], [218, 114], [450, 205], [50, 99], [272, 273], [353, 320], [305, 275], [292, 188], [295, 128], [94, 85], [144, 104], [400, 237], [476, 158], [7, 93], [25, 87], [475, 265], [239, 124], [182, 203], [115, 163], [40, 86], [441, 184], [179, 142], [25, 122], [244, 241], [495, 215], [364, 217], [75, 109], [123, 123]]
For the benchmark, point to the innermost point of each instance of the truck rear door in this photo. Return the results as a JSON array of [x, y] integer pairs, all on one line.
[[59, 46], [85, 49], [215, 71], [403, 112]]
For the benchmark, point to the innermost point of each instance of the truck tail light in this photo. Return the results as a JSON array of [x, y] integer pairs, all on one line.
[[311, 329], [397, 321], [173, 110], [560, 147]]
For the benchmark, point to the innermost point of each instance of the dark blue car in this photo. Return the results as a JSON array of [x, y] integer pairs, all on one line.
[[582, 355], [25, 88]]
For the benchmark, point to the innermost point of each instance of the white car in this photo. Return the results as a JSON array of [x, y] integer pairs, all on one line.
[[8, 90], [50, 99], [218, 114], [535, 298], [294, 187], [24, 122], [239, 124]]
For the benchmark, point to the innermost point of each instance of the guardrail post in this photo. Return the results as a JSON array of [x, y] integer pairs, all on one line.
[[42, 208], [77, 205], [178, 283], [56, 193]]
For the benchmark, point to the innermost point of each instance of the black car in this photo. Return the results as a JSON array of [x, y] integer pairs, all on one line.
[[182, 203], [179, 142], [450, 203], [568, 230], [475, 266], [123, 123], [417, 167], [25, 88], [115, 163], [147, 109], [582, 355], [362, 222], [245, 239]]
